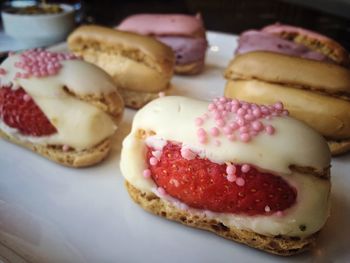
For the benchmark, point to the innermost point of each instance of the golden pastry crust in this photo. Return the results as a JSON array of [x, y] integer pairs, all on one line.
[[134, 46], [190, 69], [137, 99], [280, 245], [136, 63], [69, 158], [292, 71], [339, 147]]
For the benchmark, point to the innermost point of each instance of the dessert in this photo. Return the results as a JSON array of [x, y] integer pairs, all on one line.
[[185, 34], [246, 172], [141, 66], [293, 41], [311, 79], [58, 106]]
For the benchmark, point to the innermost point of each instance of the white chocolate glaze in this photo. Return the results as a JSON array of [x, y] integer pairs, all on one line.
[[173, 118], [79, 124]]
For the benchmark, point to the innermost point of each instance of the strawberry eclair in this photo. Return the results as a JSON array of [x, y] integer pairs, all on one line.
[[59, 106], [185, 34], [246, 172]]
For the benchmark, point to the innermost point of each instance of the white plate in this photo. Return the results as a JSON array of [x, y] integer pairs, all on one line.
[[50, 213]]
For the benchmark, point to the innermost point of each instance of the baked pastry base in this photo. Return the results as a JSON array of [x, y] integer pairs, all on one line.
[[70, 158], [190, 69], [280, 245]]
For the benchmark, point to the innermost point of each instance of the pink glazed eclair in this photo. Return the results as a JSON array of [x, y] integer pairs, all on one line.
[[293, 41], [308, 72], [185, 34]]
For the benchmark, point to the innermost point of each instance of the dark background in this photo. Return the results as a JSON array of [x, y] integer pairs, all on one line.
[[329, 17], [234, 16]]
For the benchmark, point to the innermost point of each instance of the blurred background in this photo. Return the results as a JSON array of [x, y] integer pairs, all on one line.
[[330, 17]]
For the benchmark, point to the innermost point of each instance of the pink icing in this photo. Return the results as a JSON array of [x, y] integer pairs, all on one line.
[[253, 40], [279, 28], [186, 49], [157, 24]]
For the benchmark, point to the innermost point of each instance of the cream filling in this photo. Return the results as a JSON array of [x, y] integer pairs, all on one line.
[[128, 73], [79, 124], [172, 118]]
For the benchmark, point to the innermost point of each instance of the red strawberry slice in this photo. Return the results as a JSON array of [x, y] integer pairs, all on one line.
[[202, 184], [19, 111]]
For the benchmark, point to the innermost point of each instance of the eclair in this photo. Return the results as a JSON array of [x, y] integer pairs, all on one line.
[[185, 34], [304, 70], [58, 106], [141, 66], [247, 172]]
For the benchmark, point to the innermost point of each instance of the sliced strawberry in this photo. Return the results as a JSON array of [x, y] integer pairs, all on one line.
[[203, 184], [19, 111]]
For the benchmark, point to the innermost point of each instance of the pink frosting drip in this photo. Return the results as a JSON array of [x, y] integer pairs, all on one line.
[[157, 24], [253, 40]]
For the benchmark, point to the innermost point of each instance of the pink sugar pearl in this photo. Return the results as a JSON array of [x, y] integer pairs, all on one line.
[[146, 173], [240, 181], [187, 154], [199, 121], [234, 125], [267, 209], [270, 130], [257, 112], [231, 169], [161, 191], [65, 148], [278, 105], [214, 131], [26, 97], [231, 178], [241, 112], [201, 132], [257, 125], [245, 137], [240, 121], [235, 108], [220, 123], [245, 168], [153, 161]]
